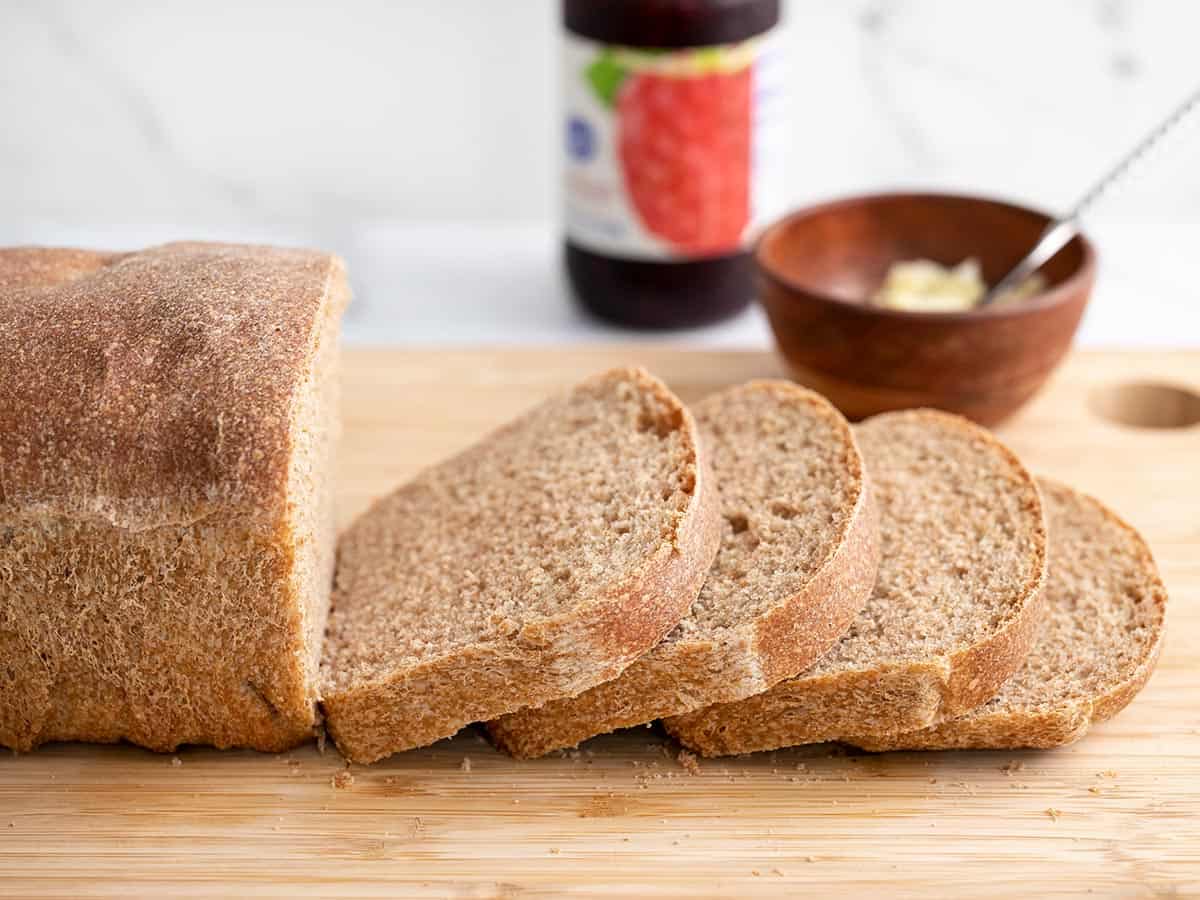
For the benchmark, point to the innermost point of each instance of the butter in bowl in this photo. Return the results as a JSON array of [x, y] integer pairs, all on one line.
[[922, 285], [874, 302]]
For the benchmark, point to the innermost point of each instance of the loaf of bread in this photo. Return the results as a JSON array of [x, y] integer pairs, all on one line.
[[954, 612], [799, 551], [532, 566], [167, 420], [1099, 642]]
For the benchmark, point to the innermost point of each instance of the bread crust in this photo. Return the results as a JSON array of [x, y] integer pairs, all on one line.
[[685, 674], [1056, 724], [154, 387], [147, 443], [548, 658], [892, 696]]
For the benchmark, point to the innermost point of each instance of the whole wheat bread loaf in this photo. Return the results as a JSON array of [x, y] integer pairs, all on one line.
[[1097, 646], [167, 420], [799, 551], [954, 610], [532, 566]]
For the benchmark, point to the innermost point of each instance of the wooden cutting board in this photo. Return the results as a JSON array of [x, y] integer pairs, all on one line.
[[1117, 813]]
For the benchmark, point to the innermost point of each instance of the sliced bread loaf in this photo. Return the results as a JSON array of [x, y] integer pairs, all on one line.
[[1097, 646], [799, 551], [954, 610], [534, 565], [168, 419]]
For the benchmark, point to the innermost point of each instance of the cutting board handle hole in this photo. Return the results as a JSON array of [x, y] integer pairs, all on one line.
[[1140, 404]]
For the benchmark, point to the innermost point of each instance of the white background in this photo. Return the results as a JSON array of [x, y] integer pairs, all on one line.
[[420, 139]]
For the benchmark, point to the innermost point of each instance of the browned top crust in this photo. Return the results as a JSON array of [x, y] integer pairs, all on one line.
[[154, 387]]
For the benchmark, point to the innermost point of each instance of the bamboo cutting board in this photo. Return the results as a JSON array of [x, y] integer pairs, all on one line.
[[1117, 813]]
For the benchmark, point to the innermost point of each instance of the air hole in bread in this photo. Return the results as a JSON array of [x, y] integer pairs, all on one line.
[[784, 510], [738, 523], [652, 421]]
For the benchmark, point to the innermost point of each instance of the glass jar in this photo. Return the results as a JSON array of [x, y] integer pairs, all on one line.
[[672, 128]]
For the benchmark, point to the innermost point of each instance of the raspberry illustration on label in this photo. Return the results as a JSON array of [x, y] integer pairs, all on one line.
[[683, 131]]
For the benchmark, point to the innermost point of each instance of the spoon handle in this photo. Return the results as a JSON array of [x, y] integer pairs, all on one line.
[[1134, 156], [1059, 232]]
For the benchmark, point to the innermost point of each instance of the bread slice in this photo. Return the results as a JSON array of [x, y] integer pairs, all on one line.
[[167, 425], [1096, 649], [532, 566], [953, 613], [799, 551]]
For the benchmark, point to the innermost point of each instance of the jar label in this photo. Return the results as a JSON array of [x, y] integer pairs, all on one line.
[[671, 154]]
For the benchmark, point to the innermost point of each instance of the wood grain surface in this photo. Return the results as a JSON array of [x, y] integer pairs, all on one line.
[[1116, 814]]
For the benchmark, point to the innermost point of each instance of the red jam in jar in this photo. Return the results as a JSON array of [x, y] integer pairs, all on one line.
[[673, 138]]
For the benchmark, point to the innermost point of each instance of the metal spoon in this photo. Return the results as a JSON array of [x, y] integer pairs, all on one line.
[[1059, 232]]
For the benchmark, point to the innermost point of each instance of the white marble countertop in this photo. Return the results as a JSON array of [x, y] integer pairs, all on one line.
[[495, 284], [424, 147]]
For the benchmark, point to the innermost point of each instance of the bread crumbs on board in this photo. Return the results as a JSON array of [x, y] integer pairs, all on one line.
[[465, 765], [1053, 813], [688, 762], [342, 779]]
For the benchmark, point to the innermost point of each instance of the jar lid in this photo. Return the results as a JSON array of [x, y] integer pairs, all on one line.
[[669, 23]]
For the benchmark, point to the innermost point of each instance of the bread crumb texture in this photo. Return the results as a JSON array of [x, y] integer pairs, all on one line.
[[961, 541], [951, 615], [531, 566], [798, 556], [789, 475], [1097, 645], [165, 508]]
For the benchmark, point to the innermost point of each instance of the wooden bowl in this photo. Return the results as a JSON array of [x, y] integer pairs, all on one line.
[[816, 267]]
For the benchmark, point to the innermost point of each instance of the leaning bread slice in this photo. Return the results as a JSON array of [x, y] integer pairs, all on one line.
[[954, 610], [1097, 647], [539, 562], [799, 551]]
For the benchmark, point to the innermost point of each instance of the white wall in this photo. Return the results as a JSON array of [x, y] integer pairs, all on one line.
[[325, 114]]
